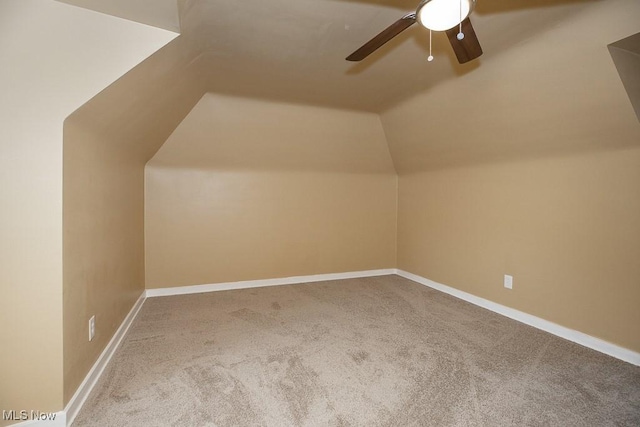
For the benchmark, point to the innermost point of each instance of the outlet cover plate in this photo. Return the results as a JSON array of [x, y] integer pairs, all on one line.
[[92, 327], [508, 281]]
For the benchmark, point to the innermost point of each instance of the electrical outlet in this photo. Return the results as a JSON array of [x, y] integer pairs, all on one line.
[[508, 281], [92, 327]]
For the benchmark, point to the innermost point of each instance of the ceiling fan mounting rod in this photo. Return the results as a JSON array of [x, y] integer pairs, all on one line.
[[410, 15]]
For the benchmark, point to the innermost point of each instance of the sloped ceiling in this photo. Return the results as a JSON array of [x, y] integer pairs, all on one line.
[[294, 50], [157, 13], [555, 94]]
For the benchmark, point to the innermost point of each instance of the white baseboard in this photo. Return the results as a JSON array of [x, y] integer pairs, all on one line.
[[80, 396], [65, 418], [550, 327], [196, 289]]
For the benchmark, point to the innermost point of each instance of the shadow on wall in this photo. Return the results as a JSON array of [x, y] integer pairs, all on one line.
[[626, 56], [107, 142]]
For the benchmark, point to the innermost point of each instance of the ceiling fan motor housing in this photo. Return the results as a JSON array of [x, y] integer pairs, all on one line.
[[441, 15]]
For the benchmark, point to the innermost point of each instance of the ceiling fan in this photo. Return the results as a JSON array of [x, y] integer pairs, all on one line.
[[451, 16]]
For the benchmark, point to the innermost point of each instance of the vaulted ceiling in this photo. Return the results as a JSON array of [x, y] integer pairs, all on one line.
[[294, 50]]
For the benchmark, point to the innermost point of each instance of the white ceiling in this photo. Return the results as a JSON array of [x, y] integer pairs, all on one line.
[[294, 50]]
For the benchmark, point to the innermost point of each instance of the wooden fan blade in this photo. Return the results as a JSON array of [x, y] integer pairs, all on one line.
[[469, 47], [390, 32]]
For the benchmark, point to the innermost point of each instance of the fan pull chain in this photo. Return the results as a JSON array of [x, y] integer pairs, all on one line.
[[460, 35], [430, 57]]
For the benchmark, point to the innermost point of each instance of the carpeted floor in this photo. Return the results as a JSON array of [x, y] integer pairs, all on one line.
[[380, 351]]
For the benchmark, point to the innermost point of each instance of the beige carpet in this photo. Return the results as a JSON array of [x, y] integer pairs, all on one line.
[[379, 351]]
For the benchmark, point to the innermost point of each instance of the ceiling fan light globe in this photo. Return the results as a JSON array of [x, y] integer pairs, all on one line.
[[441, 15]]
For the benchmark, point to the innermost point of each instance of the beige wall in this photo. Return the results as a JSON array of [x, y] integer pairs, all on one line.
[[567, 229], [55, 57], [106, 145], [530, 165], [247, 189], [103, 244]]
